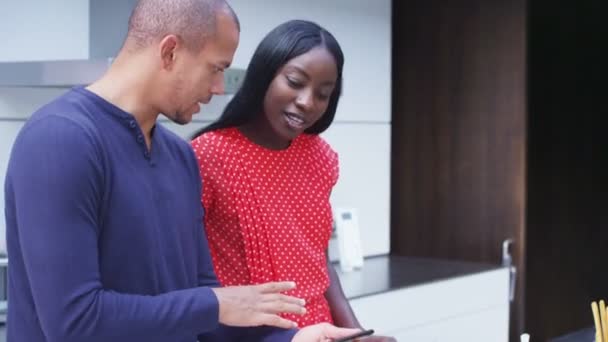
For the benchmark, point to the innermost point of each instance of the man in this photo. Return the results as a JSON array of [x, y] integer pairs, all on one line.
[[104, 223]]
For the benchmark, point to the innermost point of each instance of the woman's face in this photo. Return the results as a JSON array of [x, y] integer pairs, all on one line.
[[299, 94]]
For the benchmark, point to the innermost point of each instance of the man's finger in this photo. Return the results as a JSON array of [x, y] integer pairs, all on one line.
[[277, 287], [282, 307], [278, 297], [276, 321]]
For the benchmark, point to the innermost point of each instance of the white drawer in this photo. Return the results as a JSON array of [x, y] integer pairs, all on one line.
[[486, 326], [479, 300]]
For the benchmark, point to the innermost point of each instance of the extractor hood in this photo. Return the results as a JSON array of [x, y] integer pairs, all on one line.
[[107, 20], [68, 73]]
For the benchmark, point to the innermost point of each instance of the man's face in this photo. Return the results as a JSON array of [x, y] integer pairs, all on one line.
[[200, 75]]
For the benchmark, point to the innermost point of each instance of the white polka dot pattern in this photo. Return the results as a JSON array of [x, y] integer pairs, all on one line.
[[267, 213]]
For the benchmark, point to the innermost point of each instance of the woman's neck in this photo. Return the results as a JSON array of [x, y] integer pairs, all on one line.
[[260, 133]]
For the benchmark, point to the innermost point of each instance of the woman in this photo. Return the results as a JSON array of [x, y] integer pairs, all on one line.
[[267, 175]]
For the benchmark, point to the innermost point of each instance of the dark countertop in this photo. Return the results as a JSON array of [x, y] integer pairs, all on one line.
[[584, 335], [386, 273]]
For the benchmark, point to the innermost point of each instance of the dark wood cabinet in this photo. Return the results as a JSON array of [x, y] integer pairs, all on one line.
[[496, 135], [567, 177]]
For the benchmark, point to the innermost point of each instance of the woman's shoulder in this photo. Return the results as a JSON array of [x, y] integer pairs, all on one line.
[[323, 157], [214, 145], [220, 138], [215, 137], [318, 146]]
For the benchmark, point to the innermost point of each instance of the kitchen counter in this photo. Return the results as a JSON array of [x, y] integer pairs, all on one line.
[[388, 273]]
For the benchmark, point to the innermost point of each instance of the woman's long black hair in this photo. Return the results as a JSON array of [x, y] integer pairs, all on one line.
[[286, 41]]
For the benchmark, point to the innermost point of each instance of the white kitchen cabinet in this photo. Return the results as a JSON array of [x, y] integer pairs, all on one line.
[[468, 308], [482, 326]]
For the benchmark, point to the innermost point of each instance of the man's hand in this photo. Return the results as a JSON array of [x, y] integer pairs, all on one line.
[[323, 332], [248, 306]]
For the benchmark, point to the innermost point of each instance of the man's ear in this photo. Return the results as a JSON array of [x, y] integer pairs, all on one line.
[[168, 49]]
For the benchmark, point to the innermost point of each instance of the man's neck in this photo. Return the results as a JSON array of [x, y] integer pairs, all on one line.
[[127, 89]]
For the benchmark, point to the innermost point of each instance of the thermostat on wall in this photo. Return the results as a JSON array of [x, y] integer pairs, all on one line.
[[349, 239]]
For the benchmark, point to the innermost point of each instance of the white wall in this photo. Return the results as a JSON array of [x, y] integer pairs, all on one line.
[[15, 106], [34, 30], [360, 134], [363, 29]]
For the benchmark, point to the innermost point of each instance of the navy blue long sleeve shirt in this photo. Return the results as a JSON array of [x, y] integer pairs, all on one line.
[[105, 236]]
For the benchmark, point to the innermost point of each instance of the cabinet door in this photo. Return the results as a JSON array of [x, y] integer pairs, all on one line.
[[447, 310], [489, 325]]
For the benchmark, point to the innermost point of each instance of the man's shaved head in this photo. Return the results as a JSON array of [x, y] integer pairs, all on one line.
[[193, 21], [175, 52]]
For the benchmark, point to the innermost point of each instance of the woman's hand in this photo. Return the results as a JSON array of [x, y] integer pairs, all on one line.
[[323, 332]]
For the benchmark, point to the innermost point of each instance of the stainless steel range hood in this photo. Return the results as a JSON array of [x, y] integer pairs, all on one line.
[[68, 73], [52, 73], [107, 28]]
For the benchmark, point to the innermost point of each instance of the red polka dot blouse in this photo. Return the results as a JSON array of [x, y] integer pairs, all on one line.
[[267, 213]]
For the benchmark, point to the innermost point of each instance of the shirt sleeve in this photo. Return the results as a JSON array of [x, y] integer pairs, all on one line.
[[334, 168], [206, 160], [57, 182], [277, 335], [206, 194], [206, 273]]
